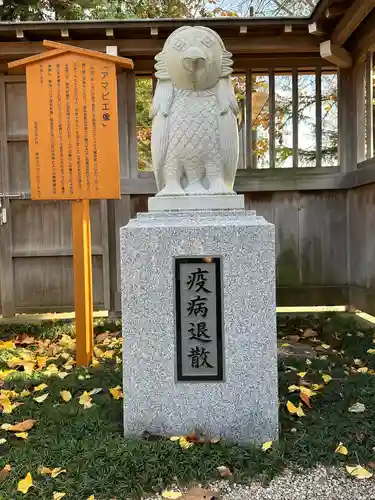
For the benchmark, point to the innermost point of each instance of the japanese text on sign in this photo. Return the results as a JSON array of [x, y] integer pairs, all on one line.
[[199, 318], [73, 128]]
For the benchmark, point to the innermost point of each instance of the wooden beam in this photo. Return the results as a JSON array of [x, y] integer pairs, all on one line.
[[334, 11], [295, 116], [369, 106], [7, 305], [352, 18], [65, 33], [20, 34], [272, 118], [318, 116], [249, 120], [316, 29], [360, 109], [243, 30], [335, 54], [154, 31], [293, 44]]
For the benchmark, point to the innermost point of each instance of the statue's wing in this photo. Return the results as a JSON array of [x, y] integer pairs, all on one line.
[[229, 141], [161, 106]]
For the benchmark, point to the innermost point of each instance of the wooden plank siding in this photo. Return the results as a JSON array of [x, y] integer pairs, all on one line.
[[361, 210], [36, 242]]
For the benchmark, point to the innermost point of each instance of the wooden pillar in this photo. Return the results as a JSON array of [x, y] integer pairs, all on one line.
[[7, 306], [83, 297], [349, 122]]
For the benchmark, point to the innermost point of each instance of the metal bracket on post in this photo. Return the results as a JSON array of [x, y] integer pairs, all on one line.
[[3, 209]]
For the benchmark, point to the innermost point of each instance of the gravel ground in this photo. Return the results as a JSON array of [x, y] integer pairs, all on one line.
[[320, 483]]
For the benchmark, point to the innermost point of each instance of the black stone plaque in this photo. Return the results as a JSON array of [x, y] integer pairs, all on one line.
[[199, 323]]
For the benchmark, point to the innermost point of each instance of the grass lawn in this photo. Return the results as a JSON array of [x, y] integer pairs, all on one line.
[[88, 442]]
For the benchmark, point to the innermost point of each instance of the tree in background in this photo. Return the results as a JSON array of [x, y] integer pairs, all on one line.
[[37, 10]]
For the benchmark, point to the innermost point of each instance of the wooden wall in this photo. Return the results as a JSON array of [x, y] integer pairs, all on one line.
[[311, 231], [361, 203], [315, 262], [36, 266]]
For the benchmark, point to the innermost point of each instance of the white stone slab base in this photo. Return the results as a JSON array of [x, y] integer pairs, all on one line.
[[197, 202], [244, 407]]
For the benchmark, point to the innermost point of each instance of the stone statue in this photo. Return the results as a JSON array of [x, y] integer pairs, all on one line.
[[194, 131]]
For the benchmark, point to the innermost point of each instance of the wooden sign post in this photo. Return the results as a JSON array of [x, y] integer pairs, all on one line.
[[73, 149]]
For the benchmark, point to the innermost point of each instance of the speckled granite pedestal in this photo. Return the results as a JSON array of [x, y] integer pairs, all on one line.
[[244, 407]]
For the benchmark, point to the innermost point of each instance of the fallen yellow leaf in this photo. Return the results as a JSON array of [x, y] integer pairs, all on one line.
[[7, 344], [41, 361], [224, 471], [371, 351], [57, 495], [327, 378], [357, 408], [40, 387], [326, 346], [67, 342], [341, 449], [52, 369], [51, 472], [4, 472], [6, 405], [359, 472], [22, 435], [98, 352], [307, 391], [5, 373], [363, 369], [25, 484], [116, 392], [301, 374], [66, 396], [184, 443], [293, 388], [26, 425], [91, 497], [294, 410], [171, 495], [3, 441], [85, 400], [62, 374], [284, 345], [267, 445], [317, 387], [28, 365], [25, 393], [42, 398], [95, 362], [57, 471]]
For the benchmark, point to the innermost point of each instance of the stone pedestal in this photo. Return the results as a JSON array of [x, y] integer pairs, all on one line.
[[242, 407]]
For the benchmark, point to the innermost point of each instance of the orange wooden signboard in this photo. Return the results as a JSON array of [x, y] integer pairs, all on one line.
[[73, 124], [73, 149]]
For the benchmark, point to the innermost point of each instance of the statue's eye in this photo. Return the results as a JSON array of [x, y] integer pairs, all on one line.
[[207, 41], [179, 44]]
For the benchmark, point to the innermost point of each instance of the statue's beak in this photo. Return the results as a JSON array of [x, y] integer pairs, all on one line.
[[193, 59]]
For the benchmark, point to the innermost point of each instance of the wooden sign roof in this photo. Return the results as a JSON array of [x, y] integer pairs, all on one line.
[[61, 48]]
